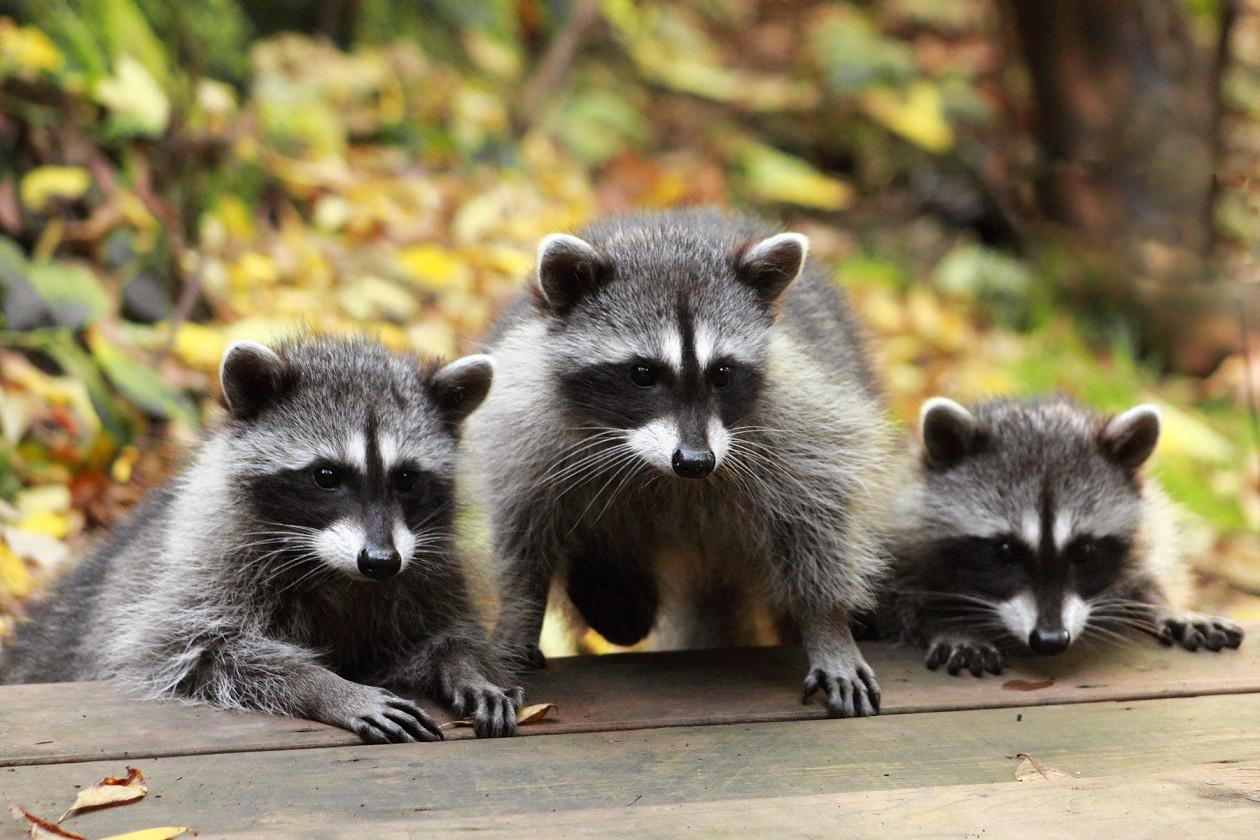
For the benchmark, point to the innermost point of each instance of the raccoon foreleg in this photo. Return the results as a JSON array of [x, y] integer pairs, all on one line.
[[1172, 627], [526, 585], [279, 678], [457, 669], [836, 665]]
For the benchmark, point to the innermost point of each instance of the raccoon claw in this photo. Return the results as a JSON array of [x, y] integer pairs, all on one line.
[[958, 654], [850, 692], [390, 719], [493, 710], [1194, 632]]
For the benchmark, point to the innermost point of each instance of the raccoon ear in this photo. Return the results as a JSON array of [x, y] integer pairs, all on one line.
[[251, 375], [568, 269], [948, 431], [770, 266], [1128, 439], [461, 386]]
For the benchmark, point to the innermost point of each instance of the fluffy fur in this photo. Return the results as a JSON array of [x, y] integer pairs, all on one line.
[[243, 583], [611, 388], [1030, 524]]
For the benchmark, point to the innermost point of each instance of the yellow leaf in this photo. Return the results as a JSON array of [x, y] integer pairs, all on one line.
[[15, 580], [53, 498], [917, 114], [199, 346], [44, 185], [135, 99], [109, 792], [535, 713], [27, 50], [1031, 770], [121, 469], [163, 833], [46, 522], [42, 829], [1183, 433], [434, 267], [773, 175]]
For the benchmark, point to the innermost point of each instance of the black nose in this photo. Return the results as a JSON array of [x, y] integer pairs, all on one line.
[[379, 563], [692, 463], [1049, 642]]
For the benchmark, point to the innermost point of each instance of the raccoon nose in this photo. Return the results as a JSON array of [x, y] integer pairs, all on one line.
[[1049, 642], [692, 463], [379, 563]]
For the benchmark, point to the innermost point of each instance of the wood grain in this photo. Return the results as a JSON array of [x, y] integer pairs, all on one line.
[[344, 791], [89, 721]]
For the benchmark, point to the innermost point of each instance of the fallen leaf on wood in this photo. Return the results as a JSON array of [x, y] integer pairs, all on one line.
[[109, 792], [524, 715], [42, 829], [1027, 685], [535, 713], [163, 833], [1031, 770]]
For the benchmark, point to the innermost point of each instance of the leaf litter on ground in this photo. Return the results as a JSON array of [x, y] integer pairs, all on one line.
[[109, 792]]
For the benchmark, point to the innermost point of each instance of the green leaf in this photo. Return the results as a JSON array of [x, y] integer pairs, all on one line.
[[74, 295], [140, 383], [772, 175], [136, 102]]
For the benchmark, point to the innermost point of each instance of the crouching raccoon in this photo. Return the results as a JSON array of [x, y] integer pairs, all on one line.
[[682, 385], [303, 558], [1028, 525]]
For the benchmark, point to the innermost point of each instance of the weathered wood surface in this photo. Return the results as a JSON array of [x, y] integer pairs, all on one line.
[[89, 721], [402, 789]]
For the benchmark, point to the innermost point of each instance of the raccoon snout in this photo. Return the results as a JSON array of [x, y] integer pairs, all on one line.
[[1049, 642], [693, 463], [379, 563]]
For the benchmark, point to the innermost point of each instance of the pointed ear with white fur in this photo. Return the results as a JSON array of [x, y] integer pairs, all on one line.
[[458, 388], [769, 266], [947, 430], [1128, 439], [251, 375], [569, 269]]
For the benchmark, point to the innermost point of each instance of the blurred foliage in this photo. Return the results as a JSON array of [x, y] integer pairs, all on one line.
[[174, 176]]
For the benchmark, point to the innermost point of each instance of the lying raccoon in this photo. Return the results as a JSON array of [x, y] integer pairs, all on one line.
[[303, 556], [681, 387], [1028, 525]]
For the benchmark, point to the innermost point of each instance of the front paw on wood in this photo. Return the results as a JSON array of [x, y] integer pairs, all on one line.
[[1194, 632], [960, 654], [849, 691]]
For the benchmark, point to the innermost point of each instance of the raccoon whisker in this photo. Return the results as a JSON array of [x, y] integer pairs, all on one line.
[[563, 469], [628, 456], [608, 461], [954, 596], [633, 469]]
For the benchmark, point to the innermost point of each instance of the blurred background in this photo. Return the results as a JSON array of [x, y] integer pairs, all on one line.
[[1020, 196]]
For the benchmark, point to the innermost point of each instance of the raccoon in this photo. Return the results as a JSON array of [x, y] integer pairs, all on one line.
[[303, 558], [1028, 525], [681, 385]]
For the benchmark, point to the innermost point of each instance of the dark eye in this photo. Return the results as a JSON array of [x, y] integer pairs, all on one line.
[[721, 376], [327, 477], [1086, 551], [1005, 550], [406, 480], [643, 375]]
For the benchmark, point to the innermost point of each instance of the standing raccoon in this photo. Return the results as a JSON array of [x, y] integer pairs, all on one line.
[[304, 556], [676, 410], [1026, 526]]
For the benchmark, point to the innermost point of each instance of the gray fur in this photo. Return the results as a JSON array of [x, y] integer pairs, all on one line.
[[790, 518], [200, 598], [1045, 476]]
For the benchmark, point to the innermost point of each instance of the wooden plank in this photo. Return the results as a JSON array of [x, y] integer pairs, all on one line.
[[336, 791], [1213, 801], [87, 721]]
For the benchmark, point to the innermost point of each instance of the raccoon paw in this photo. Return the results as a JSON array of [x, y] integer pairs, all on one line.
[[1195, 631], [493, 710], [851, 690], [381, 717], [958, 653]]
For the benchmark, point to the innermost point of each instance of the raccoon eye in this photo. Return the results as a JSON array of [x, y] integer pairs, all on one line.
[[643, 375], [1085, 551], [1005, 550], [721, 376], [329, 478], [405, 481]]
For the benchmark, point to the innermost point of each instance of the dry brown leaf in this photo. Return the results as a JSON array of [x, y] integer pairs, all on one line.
[[166, 832], [535, 713], [42, 829], [1031, 770], [1027, 685], [109, 792]]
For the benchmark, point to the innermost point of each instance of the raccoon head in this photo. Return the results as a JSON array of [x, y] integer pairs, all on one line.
[[658, 329], [342, 454], [1035, 510]]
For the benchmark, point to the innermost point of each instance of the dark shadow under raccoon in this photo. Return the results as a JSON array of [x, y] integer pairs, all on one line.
[[682, 385], [301, 560], [1025, 526]]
